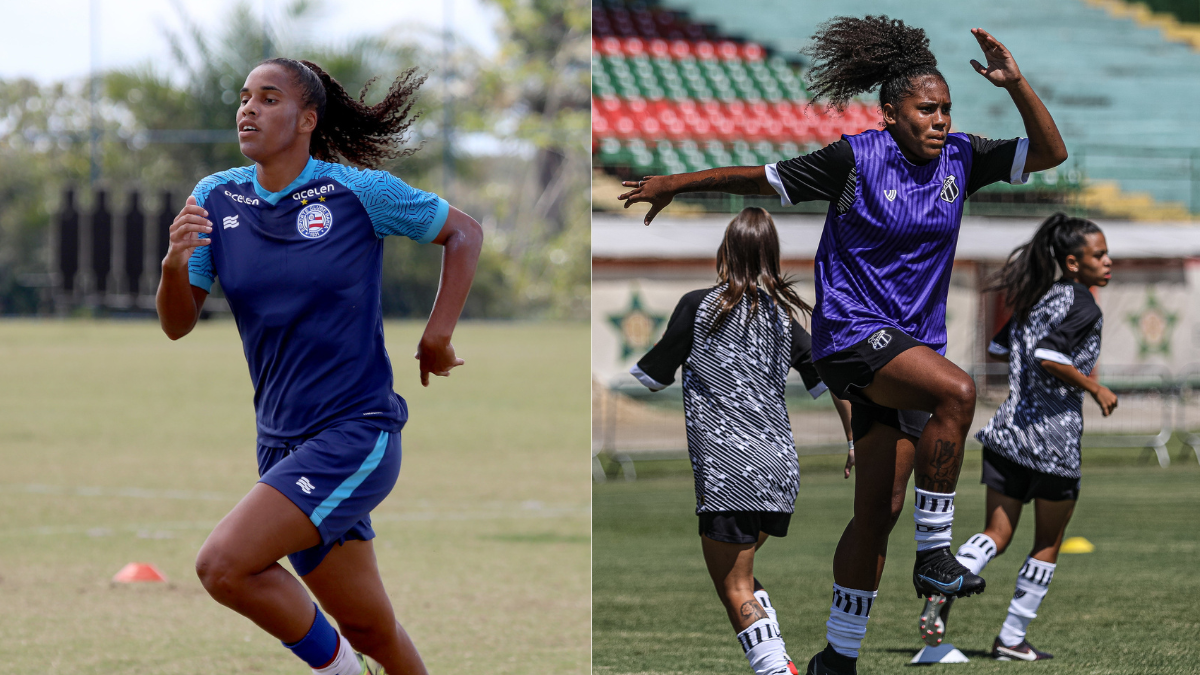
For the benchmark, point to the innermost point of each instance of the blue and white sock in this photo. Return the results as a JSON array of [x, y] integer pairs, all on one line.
[[934, 513], [324, 645], [1032, 583], [346, 662], [763, 647], [847, 625], [976, 553], [319, 645]]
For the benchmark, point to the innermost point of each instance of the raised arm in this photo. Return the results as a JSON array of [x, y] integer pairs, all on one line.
[[658, 191], [177, 300], [1046, 146], [462, 239]]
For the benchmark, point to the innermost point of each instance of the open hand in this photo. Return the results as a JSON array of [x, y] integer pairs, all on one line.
[[1106, 400], [437, 357], [653, 190], [1001, 69], [849, 462]]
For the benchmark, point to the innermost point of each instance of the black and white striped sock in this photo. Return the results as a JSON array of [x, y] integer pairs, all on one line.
[[1032, 583], [763, 646], [934, 514], [847, 624], [976, 553]]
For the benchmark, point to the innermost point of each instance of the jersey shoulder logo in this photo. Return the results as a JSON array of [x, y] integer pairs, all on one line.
[[230, 221], [879, 339], [890, 194], [314, 221], [949, 189]]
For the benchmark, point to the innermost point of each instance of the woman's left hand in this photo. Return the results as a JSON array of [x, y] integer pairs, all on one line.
[[1001, 69], [436, 357]]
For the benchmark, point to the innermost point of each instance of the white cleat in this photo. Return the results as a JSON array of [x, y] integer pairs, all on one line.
[[931, 625]]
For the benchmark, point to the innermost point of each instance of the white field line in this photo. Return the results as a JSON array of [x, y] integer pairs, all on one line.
[[425, 512]]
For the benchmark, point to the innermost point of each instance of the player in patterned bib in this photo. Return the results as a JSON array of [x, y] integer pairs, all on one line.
[[296, 241], [1031, 445], [736, 343], [883, 271]]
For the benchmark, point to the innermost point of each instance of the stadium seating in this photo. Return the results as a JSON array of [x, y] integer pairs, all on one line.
[[1123, 96], [684, 84]]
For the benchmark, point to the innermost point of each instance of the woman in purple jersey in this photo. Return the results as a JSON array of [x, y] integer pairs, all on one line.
[[883, 272], [293, 113]]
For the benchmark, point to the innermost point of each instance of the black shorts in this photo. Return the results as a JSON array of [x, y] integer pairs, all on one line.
[[849, 371], [1018, 482], [743, 527]]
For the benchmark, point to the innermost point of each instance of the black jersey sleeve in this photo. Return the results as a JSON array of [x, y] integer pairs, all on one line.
[[1075, 327], [802, 360], [1001, 344], [657, 368], [817, 176], [996, 161]]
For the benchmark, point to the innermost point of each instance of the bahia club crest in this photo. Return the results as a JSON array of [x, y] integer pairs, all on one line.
[[314, 221]]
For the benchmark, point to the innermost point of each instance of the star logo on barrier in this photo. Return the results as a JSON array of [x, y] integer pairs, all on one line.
[[638, 327], [1152, 326]]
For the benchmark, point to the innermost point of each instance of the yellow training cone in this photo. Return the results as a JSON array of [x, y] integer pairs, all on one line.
[[1077, 545]]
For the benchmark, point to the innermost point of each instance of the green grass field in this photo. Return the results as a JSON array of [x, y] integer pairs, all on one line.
[[118, 445], [1128, 608]]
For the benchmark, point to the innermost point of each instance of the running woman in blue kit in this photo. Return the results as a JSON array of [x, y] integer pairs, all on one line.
[[297, 244], [882, 276]]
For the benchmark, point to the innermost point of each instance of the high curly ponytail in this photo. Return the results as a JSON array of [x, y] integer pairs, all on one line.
[[852, 56], [1032, 268], [365, 135]]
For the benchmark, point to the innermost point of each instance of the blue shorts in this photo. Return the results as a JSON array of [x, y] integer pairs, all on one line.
[[336, 478]]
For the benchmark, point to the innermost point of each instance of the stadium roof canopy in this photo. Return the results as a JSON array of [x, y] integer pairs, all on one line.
[[621, 238]]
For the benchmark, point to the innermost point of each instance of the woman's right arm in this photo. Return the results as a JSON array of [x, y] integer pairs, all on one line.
[[1069, 374], [178, 301], [658, 191]]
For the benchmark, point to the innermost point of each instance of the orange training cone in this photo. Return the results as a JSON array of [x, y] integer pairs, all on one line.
[[135, 571]]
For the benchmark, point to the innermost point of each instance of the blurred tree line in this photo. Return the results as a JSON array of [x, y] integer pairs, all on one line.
[[517, 160]]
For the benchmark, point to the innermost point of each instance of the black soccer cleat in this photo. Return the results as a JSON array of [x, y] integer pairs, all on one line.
[[1022, 652], [829, 662], [938, 573]]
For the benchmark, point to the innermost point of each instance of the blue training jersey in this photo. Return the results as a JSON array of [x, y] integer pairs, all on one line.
[[886, 261], [302, 269]]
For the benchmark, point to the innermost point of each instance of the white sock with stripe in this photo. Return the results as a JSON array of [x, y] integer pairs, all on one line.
[[933, 514], [763, 647], [1032, 583], [765, 600], [976, 553], [345, 663], [847, 625]]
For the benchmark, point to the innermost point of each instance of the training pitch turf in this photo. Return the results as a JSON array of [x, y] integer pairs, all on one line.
[[118, 445], [1128, 608]]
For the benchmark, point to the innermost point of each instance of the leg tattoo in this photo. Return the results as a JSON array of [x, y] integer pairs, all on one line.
[[941, 473]]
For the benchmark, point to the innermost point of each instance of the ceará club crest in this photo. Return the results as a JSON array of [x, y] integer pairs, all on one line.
[[314, 221]]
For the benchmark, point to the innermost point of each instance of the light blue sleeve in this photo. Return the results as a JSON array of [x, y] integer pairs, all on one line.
[[201, 271], [395, 207], [200, 267]]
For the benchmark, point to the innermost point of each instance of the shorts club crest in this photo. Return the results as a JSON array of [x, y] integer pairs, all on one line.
[[879, 339], [314, 221]]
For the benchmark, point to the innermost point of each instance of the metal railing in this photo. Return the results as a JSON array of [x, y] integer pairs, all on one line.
[[631, 425]]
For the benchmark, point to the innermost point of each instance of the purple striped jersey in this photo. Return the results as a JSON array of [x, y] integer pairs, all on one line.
[[885, 262]]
